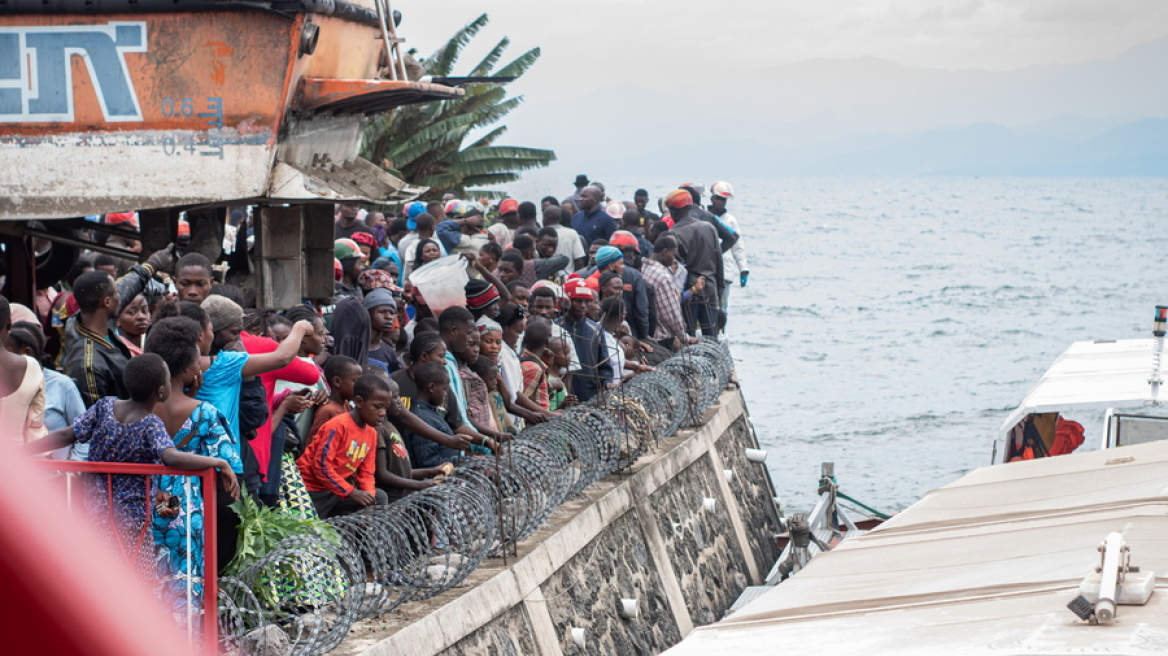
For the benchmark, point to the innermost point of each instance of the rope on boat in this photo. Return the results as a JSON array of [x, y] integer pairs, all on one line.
[[861, 504]]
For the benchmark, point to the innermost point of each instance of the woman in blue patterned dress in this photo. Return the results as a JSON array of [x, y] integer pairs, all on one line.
[[196, 427], [128, 431]]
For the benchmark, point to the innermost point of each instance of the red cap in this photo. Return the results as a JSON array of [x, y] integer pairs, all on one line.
[[678, 198], [578, 288], [508, 206], [623, 238]]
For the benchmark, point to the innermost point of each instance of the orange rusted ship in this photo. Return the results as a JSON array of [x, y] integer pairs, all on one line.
[[164, 106], [141, 104]]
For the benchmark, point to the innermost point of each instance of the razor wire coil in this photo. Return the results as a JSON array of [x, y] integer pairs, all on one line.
[[309, 591]]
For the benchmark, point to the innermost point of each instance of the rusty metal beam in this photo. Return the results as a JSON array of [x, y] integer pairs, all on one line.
[[350, 97]]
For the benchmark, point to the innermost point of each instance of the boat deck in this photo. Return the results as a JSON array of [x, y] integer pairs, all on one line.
[[986, 564]]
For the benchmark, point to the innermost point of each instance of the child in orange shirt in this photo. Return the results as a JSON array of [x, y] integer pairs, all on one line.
[[341, 373], [338, 466]]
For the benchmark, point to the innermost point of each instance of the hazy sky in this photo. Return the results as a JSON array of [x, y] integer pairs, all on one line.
[[659, 43], [670, 44]]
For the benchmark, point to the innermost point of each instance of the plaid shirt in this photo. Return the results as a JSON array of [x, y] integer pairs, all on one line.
[[670, 323]]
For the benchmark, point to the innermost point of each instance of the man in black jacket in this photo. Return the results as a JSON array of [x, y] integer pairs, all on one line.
[[726, 236], [94, 357], [698, 248], [595, 366]]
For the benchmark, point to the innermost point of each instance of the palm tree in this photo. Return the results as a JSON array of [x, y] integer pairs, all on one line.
[[425, 144]]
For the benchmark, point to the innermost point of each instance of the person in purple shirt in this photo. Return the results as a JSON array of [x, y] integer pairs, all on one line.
[[592, 222]]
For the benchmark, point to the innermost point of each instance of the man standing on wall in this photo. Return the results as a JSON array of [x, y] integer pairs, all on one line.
[[734, 263]]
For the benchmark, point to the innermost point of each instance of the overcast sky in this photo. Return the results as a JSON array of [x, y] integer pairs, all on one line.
[[670, 44], [659, 43]]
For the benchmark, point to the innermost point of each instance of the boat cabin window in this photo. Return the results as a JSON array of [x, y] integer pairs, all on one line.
[[1124, 429], [1044, 434]]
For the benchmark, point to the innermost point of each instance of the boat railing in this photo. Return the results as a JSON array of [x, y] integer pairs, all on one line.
[[105, 471]]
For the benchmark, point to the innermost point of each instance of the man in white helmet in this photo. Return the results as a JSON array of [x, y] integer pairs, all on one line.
[[734, 260]]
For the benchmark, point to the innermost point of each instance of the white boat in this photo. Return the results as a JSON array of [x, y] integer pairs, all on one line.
[[1050, 555], [1123, 377]]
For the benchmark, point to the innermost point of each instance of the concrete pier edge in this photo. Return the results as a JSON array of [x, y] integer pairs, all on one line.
[[456, 615]]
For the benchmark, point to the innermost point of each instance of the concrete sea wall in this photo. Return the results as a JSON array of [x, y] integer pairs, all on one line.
[[682, 532]]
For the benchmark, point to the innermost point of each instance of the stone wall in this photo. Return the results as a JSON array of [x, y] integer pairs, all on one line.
[[588, 589], [706, 559], [754, 493], [507, 635], [676, 532]]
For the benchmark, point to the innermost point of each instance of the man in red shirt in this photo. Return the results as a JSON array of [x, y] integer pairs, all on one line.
[[339, 466]]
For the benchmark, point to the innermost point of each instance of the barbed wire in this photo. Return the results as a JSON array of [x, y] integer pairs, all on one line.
[[309, 591]]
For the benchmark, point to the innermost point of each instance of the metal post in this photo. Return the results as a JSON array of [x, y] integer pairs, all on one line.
[[317, 253], [281, 249], [210, 563]]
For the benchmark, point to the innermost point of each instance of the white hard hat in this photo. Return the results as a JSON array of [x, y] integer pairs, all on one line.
[[722, 188]]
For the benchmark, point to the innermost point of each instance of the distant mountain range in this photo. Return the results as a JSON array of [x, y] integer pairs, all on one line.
[[868, 116]]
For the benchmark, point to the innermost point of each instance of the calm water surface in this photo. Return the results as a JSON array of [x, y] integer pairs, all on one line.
[[889, 325]]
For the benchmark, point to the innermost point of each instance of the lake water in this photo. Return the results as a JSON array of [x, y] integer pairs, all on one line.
[[889, 325]]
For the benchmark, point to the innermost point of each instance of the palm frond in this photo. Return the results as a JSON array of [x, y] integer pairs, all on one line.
[[425, 143], [489, 138], [442, 61], [491, 59], [520, 65]]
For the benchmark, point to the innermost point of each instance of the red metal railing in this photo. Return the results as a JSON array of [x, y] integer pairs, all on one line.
[[210, 557]]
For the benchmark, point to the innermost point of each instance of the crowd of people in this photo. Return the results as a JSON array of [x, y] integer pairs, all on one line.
[[324, 410]]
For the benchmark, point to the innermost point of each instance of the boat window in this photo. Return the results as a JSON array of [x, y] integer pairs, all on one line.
[[1127, 429]]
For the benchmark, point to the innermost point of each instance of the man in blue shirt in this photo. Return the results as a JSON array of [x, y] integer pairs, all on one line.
[[455, 325], [592, 222]]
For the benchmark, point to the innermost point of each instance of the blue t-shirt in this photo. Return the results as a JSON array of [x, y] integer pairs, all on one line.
[[221, 385], [456, 387]]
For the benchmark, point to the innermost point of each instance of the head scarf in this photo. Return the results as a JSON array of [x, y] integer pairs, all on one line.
[[366, 238], [350, 329], [371, 279], [222, 311], [486, 325], [412, 211], [606, 255], [18, 313]]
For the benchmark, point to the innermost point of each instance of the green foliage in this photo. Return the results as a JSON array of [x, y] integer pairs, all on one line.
[[262, 528], [426, 144]]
